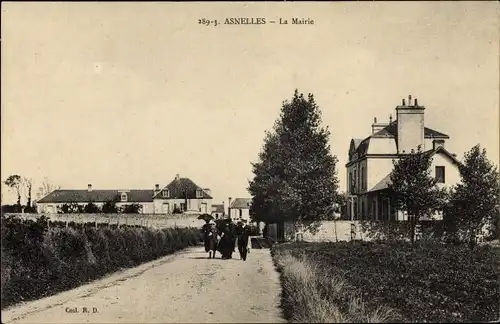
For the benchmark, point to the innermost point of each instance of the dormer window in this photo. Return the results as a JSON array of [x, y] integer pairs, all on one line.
[[199, 193], [124, 196], [165, 193]]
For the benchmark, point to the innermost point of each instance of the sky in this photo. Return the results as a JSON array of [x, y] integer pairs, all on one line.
[[127, 95]]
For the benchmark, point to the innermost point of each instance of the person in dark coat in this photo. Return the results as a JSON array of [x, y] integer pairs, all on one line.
[[206, 229], [227, 241], [225, 244], [232, 229], [210, 239], [243, 234]]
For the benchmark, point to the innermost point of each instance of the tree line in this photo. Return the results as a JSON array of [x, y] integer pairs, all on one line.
[[295, 179], [109, 207], [23, 187]]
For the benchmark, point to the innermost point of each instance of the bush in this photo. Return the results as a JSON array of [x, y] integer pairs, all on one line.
[[38, 261], [425, 282], [131, 209]]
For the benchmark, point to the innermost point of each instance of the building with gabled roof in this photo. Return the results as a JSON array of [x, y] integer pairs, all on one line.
[[180, 195], [218, 211], [240, 209], [370, 161]]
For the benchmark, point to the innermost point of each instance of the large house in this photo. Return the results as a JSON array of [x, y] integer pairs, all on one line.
[[239, 209], [180, 195], [371, 162]]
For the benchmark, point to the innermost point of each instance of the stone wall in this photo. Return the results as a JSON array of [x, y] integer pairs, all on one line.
[[329, 231], [150, 220]]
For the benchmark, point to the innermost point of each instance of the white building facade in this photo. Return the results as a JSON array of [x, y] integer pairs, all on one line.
[[371, 162], [181, 195]]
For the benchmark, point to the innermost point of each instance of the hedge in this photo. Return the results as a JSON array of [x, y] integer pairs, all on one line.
[[38, 261]]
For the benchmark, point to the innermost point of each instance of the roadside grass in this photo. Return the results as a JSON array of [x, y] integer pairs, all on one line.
[[349, 282], [39, 262], [312, 294]]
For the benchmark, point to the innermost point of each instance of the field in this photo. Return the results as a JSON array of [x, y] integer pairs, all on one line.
[[39, 261], [388, 282]]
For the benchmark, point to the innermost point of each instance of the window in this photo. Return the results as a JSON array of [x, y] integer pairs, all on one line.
[[362, 178], [350, 182], [354, 181], [165, 193], [124, 196], [440, 174], [199, 193]]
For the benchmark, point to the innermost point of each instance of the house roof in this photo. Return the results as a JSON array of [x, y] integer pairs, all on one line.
[[382, 184], [75, 195], [182, 188], [356, 142], [386, 181], [441, 149], [217, 208], [241, 203], [390, 131]]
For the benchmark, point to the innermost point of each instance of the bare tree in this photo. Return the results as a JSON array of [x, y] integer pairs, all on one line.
[[28, 184], [47, 187]]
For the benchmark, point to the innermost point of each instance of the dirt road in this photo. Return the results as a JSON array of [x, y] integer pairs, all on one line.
[[185, 287]]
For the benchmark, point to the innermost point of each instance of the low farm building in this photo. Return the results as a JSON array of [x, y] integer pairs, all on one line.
[[180, 195]]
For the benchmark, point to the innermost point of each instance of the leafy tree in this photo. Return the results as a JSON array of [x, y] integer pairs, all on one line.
[[132, 209], [72, 207], [91, 208], [295, 178], [476, 198], [341, 202], [109, 207], [14, 182], [415, 189]]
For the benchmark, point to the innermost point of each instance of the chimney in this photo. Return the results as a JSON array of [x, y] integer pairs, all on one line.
[[157, 188], [390, 119], [377, 126], [410, 125], [208, 191], [437, 143], [177, 177], [89, 188]]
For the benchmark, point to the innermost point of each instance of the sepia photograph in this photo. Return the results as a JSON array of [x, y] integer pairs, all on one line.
[[250, 162]]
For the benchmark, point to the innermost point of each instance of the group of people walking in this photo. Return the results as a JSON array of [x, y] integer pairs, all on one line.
[[224, 238]]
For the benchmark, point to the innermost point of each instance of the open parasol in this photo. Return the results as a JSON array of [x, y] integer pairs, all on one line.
[[206, 217]]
